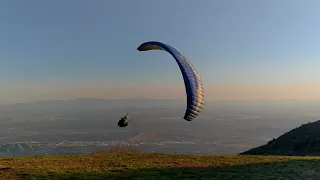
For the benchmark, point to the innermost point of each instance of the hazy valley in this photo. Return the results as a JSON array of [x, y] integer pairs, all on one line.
[[88, 125]]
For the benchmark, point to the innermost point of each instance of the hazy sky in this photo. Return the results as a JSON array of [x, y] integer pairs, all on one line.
[[245, 49]]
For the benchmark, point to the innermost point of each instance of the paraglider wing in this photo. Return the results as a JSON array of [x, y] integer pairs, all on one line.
[[192, 79]]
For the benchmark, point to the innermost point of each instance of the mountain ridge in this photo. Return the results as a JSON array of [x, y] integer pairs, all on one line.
[[300, 141]]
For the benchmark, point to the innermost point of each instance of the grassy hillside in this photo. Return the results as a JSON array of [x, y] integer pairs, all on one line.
[[304, 140], [150, 166]]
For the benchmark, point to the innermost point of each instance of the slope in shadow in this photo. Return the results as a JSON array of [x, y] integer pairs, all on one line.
[[301, 141]]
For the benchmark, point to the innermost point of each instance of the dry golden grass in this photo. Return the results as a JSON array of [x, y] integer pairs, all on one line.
[[148, 166]]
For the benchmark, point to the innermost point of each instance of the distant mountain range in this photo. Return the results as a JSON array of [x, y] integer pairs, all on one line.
[[98, 103], [304, 140], [151, 103]]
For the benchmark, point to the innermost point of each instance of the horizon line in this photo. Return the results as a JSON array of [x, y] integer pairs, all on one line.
[[155, 98]]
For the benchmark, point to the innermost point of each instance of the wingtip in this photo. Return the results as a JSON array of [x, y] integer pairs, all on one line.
[[187, 118]]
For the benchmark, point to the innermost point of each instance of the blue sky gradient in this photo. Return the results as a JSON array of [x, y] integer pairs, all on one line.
[[229, 42]]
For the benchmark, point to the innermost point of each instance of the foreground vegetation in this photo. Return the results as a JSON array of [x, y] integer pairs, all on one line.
[[148, 166]]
